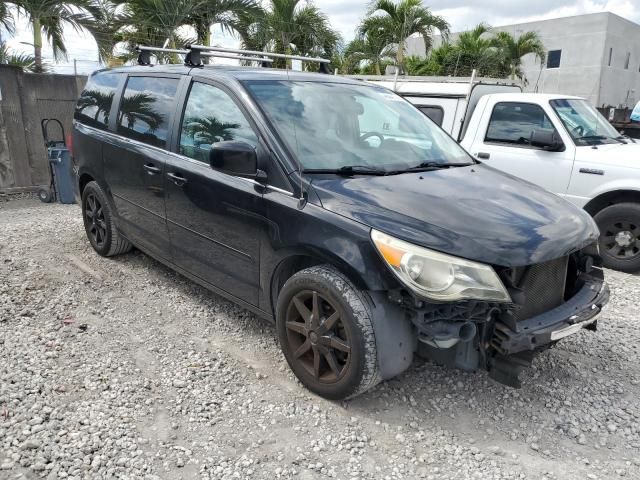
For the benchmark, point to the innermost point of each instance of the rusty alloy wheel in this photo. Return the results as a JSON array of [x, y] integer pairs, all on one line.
[[317, 336]]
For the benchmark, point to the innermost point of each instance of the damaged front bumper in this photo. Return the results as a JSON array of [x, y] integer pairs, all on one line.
[[580, 311], [513, 348], [504, 345]]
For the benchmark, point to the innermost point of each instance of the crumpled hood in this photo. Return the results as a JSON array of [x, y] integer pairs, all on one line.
[[474, 212]]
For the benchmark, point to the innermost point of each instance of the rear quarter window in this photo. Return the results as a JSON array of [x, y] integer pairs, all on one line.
[[94, 105]]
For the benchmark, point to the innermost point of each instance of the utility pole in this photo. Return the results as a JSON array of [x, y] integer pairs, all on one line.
[[75, 67]]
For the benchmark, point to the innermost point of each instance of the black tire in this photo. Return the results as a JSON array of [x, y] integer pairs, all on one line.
[[99, 223], [619, 241], [315, 348], [45, 195]]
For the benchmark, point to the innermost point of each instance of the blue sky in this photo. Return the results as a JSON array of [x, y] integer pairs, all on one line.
[[344, 16]]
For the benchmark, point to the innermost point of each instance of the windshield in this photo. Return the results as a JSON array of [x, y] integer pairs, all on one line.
[[331, 126], [584, 123]]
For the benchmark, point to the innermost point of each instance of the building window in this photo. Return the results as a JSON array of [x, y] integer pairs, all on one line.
[[553, 58], [626, 62], [610, 55]]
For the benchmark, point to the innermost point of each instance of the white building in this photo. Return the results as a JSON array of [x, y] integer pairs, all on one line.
[[596, 56]]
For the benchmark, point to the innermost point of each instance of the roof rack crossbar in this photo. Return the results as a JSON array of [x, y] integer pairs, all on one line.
[[191, 59], [205, 48]]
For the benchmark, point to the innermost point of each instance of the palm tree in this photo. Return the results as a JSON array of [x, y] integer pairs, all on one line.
[[400, 20], [106, 18], [156, 22], [289, 26], [48, 17], [6, 19], [513, 50], [22, 60], [370, 48], [226, 13], [209, 129], [475, 41]]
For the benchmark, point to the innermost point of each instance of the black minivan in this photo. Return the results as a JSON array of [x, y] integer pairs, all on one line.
[[338, 210]]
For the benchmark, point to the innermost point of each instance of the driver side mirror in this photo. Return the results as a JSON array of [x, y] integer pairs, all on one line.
[[548, 140], [236, 158]]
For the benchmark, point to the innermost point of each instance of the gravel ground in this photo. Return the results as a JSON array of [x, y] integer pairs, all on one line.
[[120, 368]]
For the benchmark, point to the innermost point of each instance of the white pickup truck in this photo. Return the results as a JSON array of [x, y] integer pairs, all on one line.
[[559, 142]]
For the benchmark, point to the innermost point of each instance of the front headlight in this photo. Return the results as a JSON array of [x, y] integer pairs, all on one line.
[[438, 276]]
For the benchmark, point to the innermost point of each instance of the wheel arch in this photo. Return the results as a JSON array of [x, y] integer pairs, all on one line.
[[296, 261], [612, 197], [83, 180]]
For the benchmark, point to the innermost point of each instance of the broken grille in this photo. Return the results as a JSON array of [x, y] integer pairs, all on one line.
[[543, 285]]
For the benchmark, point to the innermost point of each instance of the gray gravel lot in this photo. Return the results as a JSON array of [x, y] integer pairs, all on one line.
[[120, 368]]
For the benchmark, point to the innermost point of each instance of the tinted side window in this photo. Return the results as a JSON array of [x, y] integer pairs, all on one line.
[[94, 104], [146, 108], [514, 122], [435, 113], [211, 116]]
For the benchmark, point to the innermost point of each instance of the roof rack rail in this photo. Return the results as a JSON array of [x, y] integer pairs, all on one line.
[[192, 56], [324, 63]]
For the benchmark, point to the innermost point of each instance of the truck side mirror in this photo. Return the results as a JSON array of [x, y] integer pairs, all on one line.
[[236, 158], [546, 139]]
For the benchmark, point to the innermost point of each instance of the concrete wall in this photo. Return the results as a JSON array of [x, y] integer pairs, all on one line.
[[25, 100], [585, 41], [620, 86], [581, 40]]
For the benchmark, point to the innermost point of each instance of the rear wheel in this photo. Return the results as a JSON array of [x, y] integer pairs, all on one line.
[[326, 334], [99, 224], [619, 241]]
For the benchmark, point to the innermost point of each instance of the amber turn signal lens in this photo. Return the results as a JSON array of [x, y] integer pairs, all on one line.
[[392, 255]]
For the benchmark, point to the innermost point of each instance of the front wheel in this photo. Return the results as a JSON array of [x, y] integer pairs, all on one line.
[[326, 333], [619, 241]]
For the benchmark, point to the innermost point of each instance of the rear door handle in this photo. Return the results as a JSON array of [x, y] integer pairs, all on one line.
[[152, 169], [176, 178], [483, 155]]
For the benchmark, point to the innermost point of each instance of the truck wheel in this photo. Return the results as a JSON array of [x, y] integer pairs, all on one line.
[[326, 334], [619, 227], [99, 224]]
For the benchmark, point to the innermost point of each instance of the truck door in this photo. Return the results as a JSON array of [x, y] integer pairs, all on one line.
[[502, 141]]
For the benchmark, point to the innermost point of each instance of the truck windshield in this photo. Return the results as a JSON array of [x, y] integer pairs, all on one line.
[[584, 123], [354, 128]]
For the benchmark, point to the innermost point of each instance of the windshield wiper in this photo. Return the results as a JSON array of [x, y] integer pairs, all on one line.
[[430, 166], [603, 137], [625, 139], [348, 170]]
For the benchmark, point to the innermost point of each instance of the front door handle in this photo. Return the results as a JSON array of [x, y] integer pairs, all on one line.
[[483, 155], [176, 178], [151, 169]]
